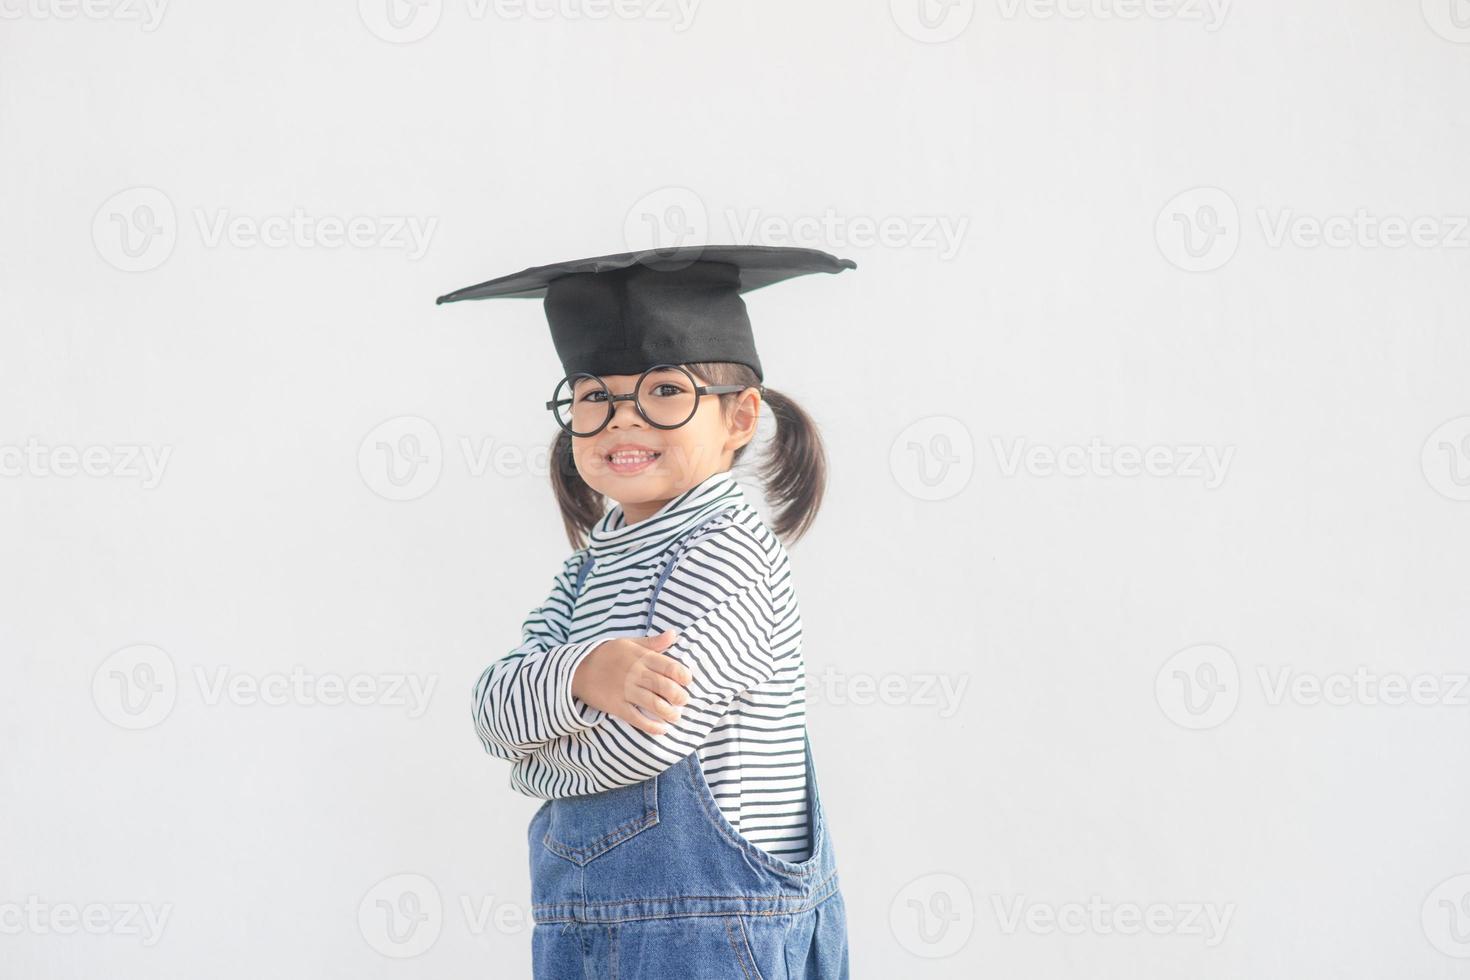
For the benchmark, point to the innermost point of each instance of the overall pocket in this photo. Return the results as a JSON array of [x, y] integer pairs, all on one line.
[[580, 828]]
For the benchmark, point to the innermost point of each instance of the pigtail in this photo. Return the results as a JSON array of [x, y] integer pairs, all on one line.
[[794, 473], [581, 506]]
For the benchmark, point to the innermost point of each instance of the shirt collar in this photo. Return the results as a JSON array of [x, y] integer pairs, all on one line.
[[611, 540]]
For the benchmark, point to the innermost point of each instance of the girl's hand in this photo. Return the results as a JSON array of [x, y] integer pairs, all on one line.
[[627, 673]]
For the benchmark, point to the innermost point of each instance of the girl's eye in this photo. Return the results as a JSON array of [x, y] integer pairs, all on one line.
[[666, 389], [595, 395]]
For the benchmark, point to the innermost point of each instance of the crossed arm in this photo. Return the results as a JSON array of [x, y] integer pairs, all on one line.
[[718, 599], [524, 699]]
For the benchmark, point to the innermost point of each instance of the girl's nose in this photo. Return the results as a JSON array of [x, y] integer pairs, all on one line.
[[622, 410]]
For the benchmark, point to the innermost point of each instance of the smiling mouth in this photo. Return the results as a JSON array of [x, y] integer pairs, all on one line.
[[632, 456]]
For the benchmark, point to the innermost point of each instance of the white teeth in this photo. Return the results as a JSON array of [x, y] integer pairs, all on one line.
[[628, 456]]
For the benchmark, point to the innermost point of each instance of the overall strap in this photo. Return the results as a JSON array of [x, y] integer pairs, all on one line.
[[697, 532], [582, 575], [694, 534]]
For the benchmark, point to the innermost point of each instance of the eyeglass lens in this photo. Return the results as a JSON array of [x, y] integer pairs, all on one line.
[[665, 396]]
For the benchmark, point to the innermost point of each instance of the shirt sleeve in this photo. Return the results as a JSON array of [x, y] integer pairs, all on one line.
[[524, 699], [719, 599]]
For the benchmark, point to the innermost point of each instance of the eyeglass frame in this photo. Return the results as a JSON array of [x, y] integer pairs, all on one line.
[[612, 399]]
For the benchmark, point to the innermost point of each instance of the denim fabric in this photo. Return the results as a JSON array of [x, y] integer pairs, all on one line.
[[651, 881]]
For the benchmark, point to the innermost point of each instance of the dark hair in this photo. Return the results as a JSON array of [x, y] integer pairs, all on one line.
[[793, 474]]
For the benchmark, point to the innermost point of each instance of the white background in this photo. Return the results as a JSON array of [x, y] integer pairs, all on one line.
[[1131, 192]]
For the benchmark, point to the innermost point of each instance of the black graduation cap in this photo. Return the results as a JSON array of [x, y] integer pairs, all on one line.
[[624, 313]]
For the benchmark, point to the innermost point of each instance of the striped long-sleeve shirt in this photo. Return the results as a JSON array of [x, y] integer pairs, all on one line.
[[732, 601]]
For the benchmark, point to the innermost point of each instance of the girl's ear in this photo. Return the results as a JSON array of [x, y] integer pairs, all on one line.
[[744, 418]]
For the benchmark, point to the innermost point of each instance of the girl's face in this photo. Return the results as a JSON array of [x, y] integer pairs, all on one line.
[[643, 467]]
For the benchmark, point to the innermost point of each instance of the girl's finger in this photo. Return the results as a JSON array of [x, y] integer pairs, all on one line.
[[654, 704], [629, 713], [665, 687], [669, 667], [658, 641]]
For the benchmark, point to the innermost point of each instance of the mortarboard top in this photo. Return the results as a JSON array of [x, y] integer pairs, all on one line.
[[623, 313]]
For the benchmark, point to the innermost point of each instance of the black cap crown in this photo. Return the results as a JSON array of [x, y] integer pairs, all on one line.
[[623, 313]]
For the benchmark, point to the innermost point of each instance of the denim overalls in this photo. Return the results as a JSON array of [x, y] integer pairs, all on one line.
[[651, 881]]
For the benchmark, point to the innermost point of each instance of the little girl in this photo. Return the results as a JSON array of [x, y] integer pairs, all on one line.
[[657, 701]]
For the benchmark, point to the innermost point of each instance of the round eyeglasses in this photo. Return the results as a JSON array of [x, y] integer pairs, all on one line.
[[666, 396]]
